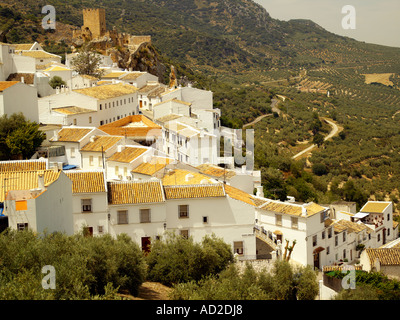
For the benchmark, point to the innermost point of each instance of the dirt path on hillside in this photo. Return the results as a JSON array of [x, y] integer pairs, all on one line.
[[334, 132]]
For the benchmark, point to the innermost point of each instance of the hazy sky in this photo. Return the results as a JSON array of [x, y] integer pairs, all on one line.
[[377, 21]]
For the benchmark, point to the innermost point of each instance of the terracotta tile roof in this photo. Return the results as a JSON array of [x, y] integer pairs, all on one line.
[[114, 74], [87, 181], [194, 191], [374, 207], [72, 134], [23, 165], [216, 171], [386, 256], [23, 46], [291, 208], [127, 155], [150, 168], [240, 195], [7, 84], [136, 126], [39, 54], [134, 192], [339, 268], [185, 177], [108, 91], [132, 75], [101, 143], [350, 226], [24, 180], [72, 110]]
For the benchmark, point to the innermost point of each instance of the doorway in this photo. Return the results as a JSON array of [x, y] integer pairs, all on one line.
[[146, 242]]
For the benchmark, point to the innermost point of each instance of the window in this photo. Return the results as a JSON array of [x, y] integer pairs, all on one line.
[[184, 233], [116, 170], [238, 247], [91, 160], [344, 236], [205, 219], [388, 216], [90, 119], [100, 229], [75, 122], [379, 237], [145, 215], [183, 211], [329, 233], [125, 171], [99, 161], [344, 253], [105, 106], [22, 226], [295, 222], [314, 241], [336, 240], [101, 122], [122, 217], [388, 233], [323, 234], [86, 205], [327, 250], [101, 107], [278, 219]]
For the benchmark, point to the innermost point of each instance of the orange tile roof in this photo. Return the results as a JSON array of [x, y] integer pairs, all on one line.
[[108, 91], [386, 256], [185, 177], [22, 165], [122, 127], [7, 84], [194, 191], [72, 134], [216, 171], [374, 207], [101, 143], [240, 195], [149, 168], [25, 180], [134, 192], [127, 155], [87, 181]]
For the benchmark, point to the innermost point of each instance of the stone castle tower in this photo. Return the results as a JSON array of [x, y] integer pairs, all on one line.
[[94, 22]]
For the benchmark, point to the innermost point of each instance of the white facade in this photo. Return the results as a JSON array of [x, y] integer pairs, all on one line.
[[19, 97], [107, 110], [46, 209], [199, 99]]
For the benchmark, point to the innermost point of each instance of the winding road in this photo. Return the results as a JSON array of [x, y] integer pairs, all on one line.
[[334, 131]]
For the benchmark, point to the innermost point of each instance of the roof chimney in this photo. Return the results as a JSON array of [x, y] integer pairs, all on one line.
[[41, 185]]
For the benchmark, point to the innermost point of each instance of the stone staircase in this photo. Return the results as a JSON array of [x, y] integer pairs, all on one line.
[[264, 237]]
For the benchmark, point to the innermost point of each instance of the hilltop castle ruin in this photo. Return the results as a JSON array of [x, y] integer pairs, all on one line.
[[94, 29]]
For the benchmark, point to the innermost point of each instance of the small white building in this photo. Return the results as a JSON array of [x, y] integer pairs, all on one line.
[[127, 157], [95, 153], [199, 99], [17, 97], [188, 144], [89, 201], [111, 102], [149, 95], [39, 200], [145, 210], [72, 139]]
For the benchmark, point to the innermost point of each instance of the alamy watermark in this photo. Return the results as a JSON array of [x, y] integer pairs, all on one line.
[[49, 21], [349, 21], [49, 280], [349, 280]]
